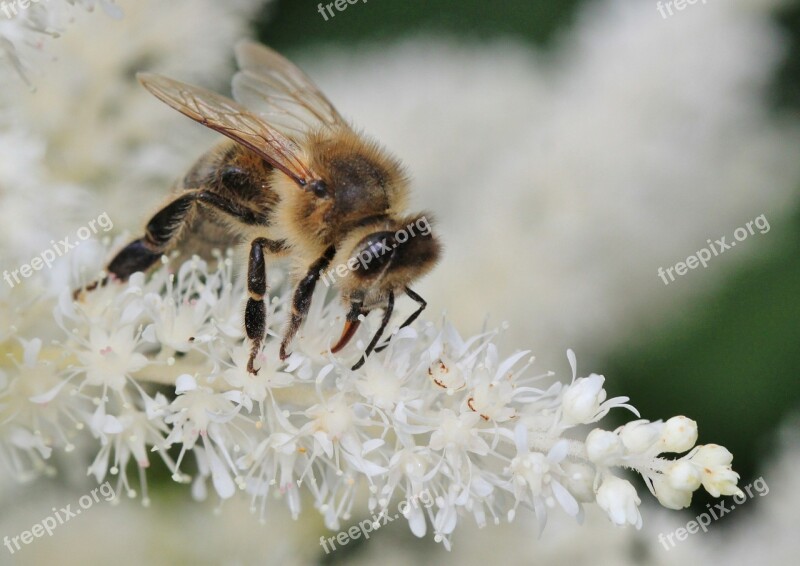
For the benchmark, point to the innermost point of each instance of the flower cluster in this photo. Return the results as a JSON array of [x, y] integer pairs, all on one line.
[[158, 366]]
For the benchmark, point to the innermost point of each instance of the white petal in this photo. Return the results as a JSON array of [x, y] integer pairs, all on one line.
[[416, 521], [559, 451], [185, 383], [506, 366], [220, 476], [565, 499], [573, 363]]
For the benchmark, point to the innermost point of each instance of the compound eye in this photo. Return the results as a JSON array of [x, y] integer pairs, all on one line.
[[374, 253], [319, 188], [377, 249]]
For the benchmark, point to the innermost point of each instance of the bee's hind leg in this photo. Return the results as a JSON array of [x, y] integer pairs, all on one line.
[[136, 256], [164, 229], [142, 253]]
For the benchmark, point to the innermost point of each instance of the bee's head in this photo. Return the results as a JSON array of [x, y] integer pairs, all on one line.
[[381, 259], [391, 258]]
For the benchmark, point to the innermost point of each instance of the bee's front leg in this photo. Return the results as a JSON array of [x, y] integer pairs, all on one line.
[[301, 300], [422, 304], [387, 315]]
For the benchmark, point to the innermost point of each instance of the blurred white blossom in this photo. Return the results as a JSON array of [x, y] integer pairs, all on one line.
[[89, 129], [26, 29], [572, 175]]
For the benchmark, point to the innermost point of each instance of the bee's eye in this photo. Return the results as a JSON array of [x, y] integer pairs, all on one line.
[[374, 253], [319, 188]]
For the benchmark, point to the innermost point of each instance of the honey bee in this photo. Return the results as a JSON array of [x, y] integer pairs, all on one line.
[[294, 180]]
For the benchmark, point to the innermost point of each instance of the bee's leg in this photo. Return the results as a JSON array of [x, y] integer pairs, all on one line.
[[301, 300], [387, 314], [255, 313], [410, 319], [162, 232], [136, 256]]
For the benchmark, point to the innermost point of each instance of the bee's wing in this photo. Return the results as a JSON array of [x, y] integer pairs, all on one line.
[[233, 120], [280, 92]]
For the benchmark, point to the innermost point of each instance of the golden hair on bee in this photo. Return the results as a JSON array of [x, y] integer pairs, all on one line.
[[365, 182]]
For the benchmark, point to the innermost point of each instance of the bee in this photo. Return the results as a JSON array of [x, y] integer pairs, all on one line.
[[293, 180]]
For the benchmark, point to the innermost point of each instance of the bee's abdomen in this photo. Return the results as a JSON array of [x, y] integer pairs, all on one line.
[[234, 175]]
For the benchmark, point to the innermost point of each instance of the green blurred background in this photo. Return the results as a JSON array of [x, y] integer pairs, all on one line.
[[733, 357]]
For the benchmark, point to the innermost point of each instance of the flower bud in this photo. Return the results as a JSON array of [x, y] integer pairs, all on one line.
[[684, 475], [679, 434], [669, 496], [582, 399], [604, 448], [618, 498], [639, 436]]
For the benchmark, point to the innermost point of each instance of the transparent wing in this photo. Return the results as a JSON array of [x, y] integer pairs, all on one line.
[[280, 92], [233, 120]]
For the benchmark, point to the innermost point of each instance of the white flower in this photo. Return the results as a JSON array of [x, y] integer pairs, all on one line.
[[584, 400], [714, 462], [381, 386], [258, 388], [492, 399], [194, 410], [176, 326], [541, 476], [110, 358], [446, 374], [618, 498], [33, 406], [458, 432], [132, 434], [433, 413]]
